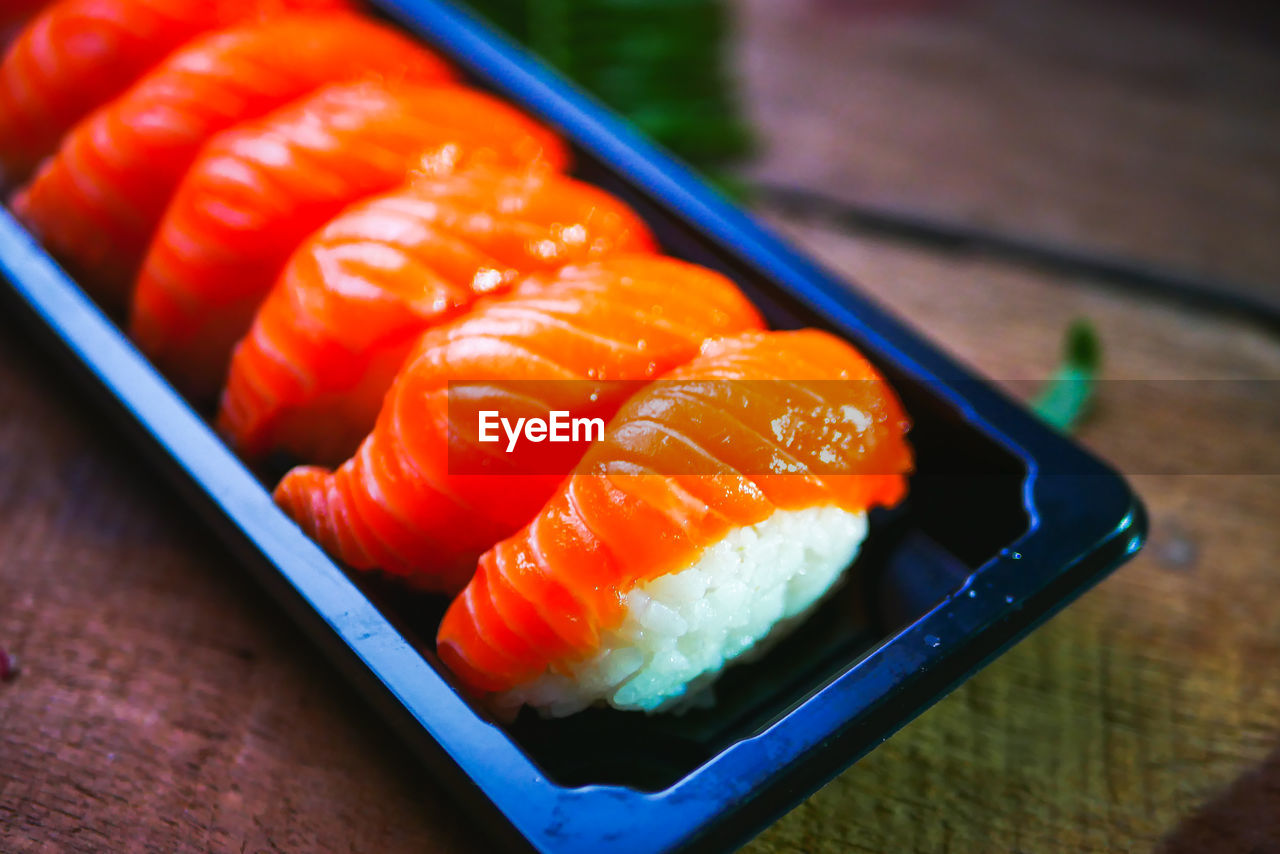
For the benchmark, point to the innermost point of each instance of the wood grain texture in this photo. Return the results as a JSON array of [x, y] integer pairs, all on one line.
[[1148, 713], [1095, 125], [166, 705]]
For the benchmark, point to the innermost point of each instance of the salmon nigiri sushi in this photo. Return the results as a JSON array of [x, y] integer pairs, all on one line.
[[416, 503], [96, 202], [309, 377], [76, 55], [257, 190], [722, 503]]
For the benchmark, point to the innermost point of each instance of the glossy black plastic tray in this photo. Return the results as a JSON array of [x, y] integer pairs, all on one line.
[[1006, 522]]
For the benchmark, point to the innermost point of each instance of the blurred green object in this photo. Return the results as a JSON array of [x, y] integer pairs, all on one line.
[[1067, 397], [661, 63]]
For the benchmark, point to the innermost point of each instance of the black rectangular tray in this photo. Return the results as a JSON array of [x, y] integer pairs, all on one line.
[[1007, 521]]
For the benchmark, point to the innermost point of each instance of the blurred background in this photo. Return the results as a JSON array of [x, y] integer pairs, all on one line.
[[1121, 127]]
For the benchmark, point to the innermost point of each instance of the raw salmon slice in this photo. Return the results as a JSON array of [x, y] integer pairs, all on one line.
[[258, 190], [96, 202], [309, 377], [761, 454], [76, 55], [417, 503]]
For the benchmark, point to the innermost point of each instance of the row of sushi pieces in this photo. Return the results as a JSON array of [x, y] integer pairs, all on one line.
[[306, 221]]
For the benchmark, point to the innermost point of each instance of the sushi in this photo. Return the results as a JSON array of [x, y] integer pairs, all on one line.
[[257, 190], [327, 341], [422, 506], [76, 55], [721, 505], [96, 202]]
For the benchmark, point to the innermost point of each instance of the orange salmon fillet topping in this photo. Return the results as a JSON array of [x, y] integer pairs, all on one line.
[[96, 202], [310, 375], [76, 55], [410, 504], [757, 423], [258, 190]]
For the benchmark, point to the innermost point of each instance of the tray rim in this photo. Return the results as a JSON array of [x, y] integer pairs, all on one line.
[[750, 783]]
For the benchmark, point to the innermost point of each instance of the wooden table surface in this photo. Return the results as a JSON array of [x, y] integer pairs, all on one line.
[[166, 705]]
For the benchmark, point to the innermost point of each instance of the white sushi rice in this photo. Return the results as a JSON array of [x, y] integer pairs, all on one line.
[[681, 630]]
